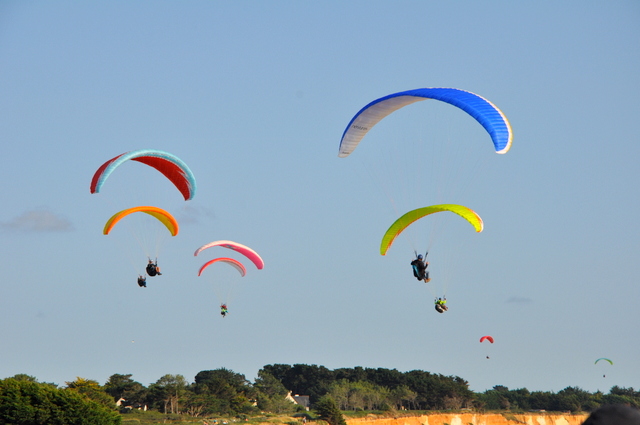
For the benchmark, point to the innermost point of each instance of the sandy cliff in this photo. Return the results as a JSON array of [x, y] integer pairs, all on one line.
[[475, 419]]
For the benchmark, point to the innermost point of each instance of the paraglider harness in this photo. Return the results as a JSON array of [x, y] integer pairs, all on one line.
[[152, 268], [223, 310], [441, 306], [420, 267], [142, 281]]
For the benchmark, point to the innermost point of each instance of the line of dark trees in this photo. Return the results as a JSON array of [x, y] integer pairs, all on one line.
[[569, 399], [381, 389], [224, 392]]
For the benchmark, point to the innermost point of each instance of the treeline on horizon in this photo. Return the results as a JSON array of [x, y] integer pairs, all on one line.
[[223, 392]]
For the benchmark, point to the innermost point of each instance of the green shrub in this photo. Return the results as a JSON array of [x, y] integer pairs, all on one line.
[[24, 402]]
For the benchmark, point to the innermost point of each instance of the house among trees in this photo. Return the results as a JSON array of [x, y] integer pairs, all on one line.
[[302, 400]]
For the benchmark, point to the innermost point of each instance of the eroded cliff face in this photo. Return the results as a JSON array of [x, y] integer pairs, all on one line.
[[474, 419]]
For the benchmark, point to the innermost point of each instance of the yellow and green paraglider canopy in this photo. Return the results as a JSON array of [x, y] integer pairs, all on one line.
[[403, 222]]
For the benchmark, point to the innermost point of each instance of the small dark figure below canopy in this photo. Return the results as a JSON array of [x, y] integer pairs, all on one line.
[[153, 269], [142, 281], [419, 267], [223, 310]]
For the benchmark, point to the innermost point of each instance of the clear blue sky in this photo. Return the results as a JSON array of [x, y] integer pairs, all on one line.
[[254, 96]]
